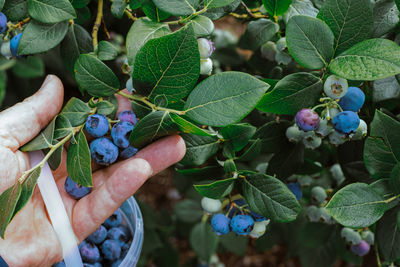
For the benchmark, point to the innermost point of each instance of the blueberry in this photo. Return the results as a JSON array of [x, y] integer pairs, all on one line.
[[368, 236], [361, 249], [296, 190], [206, 66], [351, 236], [118, 235], [232, 207], [361, 131], [97, 125], [336, 138], [124, 249], [211, 205], [346, 122], [116, 263], [311, 140], [128, 152], [128, 116], [324, 129], [111, 250], [220, 224], [353, 99], [318, 194], [335, 87], [114, 220], [242, 224], [307, 119], [120, 133], [206, 47], [96, 264], [125, 230], [294, 134], [59, 264], [14, 44], [258, 229], [75, 190], [99, 235], [257, 217], [103, 151], [90, 253], [3, 22]]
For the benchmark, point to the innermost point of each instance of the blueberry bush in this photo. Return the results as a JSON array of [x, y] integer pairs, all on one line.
[[292, 126]]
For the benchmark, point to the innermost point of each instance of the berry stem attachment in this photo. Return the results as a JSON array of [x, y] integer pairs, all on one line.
[[97, 24]]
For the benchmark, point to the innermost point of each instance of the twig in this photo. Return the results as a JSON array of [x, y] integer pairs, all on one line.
[[130, 15], [248, 10], [97, 24]]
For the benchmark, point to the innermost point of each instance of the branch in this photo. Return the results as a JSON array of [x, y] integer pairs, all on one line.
[[97, 24]]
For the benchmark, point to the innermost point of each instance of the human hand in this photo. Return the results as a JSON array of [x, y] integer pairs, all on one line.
[[30, 239]]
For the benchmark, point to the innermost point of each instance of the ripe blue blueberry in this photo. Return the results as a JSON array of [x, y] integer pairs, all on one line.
[[111, 250], [116, 263], [14, 44], [3, 22], [242, 224], [97, 125], [118, 235], [353, 100], [75, 190], [125, 230], [120, 133], [220, 224], [59, 264], [128, 116], [128, 152], [346, 122], [98, 236], [114, 220], [307, 119], [124, 249], [361, 249], [233, 210], [296, 190], [96, 264], [257, 217], [103, 151], [90, 253]]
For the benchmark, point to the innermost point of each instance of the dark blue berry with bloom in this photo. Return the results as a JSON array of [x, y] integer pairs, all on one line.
[[242, 224], [118, 235], [128, 152], [98, 236], [114, 220], [90, 253], [103, 151], [14, 44], [220, 224], [128, 116], [257, 217], [75, 190], [3, 22], [353, 100], [97, 125], [346, 122], [296, 190], [111, 250], [120, 133]]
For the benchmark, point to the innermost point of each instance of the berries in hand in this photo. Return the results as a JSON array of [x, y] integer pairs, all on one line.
[[318, 194], [206, 47], [90, 253], [335, 87], [294, 134], [128, 116], [114, 220], [111, 250], [296, 190], [307, 119], [3, 22], [211, 205], [242, 224], [361, 249], [103, 151], [97, 125], [346, 122], [118, 235], [258, 229], [206, 66], [96, 264], [220, 224], [75, 190], [128, 152], [353, 99], [14, 44], [98, 236], [120, 133], [59, 264]]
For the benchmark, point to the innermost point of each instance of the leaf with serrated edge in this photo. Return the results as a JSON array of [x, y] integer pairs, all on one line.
[[79, 161], [217, 189]]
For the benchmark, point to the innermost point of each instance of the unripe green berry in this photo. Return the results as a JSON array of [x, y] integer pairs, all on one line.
[[318, 194], [352, 237]]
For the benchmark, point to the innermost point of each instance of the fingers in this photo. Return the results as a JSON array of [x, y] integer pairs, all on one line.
[[120, 181], [22, 122]]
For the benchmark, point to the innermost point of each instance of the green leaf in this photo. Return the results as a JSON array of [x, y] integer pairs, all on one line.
[[95, 77], [155, 125], [224, 98], [168, 65], [188, 211], [397, 4], [395, 178], [253, 151], [386, 17], [217, 189], [107, 51], [203, 241], [300, 7], [269, 197], [379, 160], [199, 148], [40, 37], [142, 31], [154, 13], [82, 15], [235, 243], [293, 92], [30, 67], [258, 32], [5, 64], [15, 10], [219, 12], [369, 60], [350, 21], [79, 161], [272, 136], [239, 134], [188, 127], [77, 41], [356, 206], [8, 202], [388, 236], [276, 7], [310, 41], [80, 3], [388, 88], [286, 161], [2, 4], [105, 108], [202, 26], [217, 3], [63, 127], [56, 158], [51, 11], [43, 140], [178, 7], [118, 8], [75, 112], [3, 83]]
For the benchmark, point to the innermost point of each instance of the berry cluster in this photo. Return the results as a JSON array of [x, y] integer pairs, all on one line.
[[8, 48], [339, 120], [360, 241], [206, 48], [107, 246]]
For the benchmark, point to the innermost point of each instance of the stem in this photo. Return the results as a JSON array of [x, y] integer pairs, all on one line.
[[204, 218], [378, 258], [183, 20], [319, 106], [97, 24], [130, 15]]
